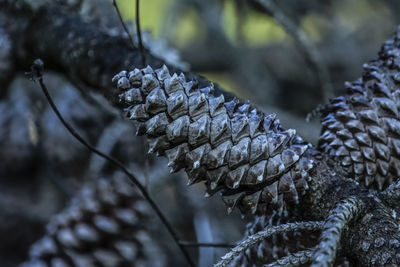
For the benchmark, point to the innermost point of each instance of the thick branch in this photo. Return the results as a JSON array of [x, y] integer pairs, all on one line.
[[373, 239], [254, 239], [78, 49]]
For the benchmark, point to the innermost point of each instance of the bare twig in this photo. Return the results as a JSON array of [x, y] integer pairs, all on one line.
[[106, 143], [305, 44], [295, 259], [257, 237], [340, 217], [37, 75], [123, 23], [139, 33]]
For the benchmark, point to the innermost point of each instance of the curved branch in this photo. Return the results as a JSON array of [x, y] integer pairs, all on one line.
[[339, 218], [253, 239]]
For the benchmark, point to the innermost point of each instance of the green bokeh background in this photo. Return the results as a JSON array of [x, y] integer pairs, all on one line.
[[258, 30]]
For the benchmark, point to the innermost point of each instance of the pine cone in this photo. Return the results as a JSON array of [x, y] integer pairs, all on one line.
[[230, 145], [104, 226], [362, 129]]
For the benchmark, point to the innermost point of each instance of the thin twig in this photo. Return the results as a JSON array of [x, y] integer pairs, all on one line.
[[293, 260], [340, 217], [106, 143], [257, 237], [305, 44], [139, 34], [123, 23], [37, 74], [196, 244]]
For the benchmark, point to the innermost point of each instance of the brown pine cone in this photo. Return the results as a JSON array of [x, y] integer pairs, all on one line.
[[103, 226], [230, 145], [362, 129]]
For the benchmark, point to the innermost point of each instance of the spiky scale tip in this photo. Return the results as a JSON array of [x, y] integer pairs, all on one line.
[[229, 145], [362, 128]]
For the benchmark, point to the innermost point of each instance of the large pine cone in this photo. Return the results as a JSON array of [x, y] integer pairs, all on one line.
[[104, 226], [229, 145], [362, 129]]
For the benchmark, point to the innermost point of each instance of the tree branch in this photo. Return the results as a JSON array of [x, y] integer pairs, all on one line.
[[254, 239], [78, 49], [344, 212]]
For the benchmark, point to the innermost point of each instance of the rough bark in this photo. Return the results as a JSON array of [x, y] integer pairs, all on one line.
[[86, 54]]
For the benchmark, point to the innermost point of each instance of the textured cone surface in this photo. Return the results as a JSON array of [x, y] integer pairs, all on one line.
[[104, 226], [231, 146], [362, 129]]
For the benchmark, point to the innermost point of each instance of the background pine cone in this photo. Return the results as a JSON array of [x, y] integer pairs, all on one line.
[[362, 128], [104, 226], [230, 145]]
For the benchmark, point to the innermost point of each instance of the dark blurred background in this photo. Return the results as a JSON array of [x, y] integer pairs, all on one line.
[[288, 66]]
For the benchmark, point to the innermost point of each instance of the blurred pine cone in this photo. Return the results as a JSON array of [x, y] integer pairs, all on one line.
[[362, 129], [231, 146], [104, 226]]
